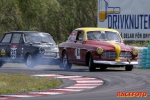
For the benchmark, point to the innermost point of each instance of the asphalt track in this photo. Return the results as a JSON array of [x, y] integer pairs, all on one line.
[[115, 80]]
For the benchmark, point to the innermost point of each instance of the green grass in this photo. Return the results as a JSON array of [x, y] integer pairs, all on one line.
[[10, 83], [138, 43]]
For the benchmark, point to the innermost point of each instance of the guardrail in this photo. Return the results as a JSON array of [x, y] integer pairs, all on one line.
[[146, 57]]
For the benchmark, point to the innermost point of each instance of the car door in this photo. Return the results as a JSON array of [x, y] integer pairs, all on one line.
[[79, 50], [3, 46], [14, 48], [70, 46]]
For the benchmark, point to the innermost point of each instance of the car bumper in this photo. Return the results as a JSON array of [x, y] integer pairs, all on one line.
[[115, 63], [49, 60]]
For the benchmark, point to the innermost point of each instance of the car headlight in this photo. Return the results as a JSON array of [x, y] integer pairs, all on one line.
[[99, 50], [135, 52], [55, 49], [41, 50]]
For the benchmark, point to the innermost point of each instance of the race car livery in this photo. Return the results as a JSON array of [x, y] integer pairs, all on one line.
[[97, 47], [30, 47]]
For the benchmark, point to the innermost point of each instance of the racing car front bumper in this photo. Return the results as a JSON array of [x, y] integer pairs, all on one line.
[[115, 62], [48, 60]]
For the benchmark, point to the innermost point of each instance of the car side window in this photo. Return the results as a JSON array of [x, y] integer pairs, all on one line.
[[21, 39], [7, 38], [16, 38], [80, 36], [72, 36]]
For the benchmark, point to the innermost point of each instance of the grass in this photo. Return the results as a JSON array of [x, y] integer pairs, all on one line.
[[138, 43], [10, 83]]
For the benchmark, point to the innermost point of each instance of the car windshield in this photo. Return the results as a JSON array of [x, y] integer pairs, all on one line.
[[39, 38], [103, 36]]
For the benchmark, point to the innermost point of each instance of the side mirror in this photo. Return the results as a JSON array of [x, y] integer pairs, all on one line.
[[75, 41], [122, 40], [80, 39], [30, 43]]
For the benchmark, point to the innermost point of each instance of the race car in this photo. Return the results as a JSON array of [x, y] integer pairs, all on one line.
[[97, 47], [29, 47]]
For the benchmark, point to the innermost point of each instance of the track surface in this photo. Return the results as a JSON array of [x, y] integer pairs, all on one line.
[[114, 81]]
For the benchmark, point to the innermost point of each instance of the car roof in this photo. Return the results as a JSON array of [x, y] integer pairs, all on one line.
[[95, 29], [23, 31], [27, 32]]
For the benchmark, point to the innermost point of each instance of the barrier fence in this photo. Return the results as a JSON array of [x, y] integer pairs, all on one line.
[[143, 57]]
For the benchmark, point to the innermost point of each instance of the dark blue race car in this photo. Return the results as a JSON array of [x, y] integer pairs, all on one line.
[[29, 47]]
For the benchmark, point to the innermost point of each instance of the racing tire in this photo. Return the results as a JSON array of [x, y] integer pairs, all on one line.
[[64, 64], [129, 67], [30, 61], [91, 65]]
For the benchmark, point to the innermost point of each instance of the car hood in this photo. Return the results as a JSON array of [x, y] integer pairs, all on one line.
[[109, 45], [47, 47]]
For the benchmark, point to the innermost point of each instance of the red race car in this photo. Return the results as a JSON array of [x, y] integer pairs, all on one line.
[[97, 47]]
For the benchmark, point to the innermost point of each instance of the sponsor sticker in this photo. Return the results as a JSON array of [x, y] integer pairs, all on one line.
[[13, 51], [3, 52]]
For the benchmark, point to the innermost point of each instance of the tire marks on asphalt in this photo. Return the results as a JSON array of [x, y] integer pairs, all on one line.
[[82, 83]]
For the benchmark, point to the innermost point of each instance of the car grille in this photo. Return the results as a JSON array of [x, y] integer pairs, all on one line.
[[49, 53], [112, 55], [125, 55]]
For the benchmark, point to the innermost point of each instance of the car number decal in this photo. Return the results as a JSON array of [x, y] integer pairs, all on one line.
[[13, 51], [77, 53]]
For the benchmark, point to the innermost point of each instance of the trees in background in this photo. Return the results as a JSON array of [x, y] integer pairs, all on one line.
[[57, 17]]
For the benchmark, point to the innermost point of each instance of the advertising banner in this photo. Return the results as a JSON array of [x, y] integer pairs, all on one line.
[[130, 17]]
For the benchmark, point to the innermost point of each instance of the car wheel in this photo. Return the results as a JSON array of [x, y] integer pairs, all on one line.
[[64, 63], [29, 61], [129, 67], [92, 66]]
